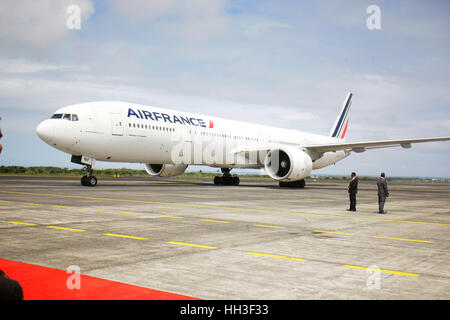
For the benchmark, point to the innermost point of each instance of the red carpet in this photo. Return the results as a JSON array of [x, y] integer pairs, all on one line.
[[42, 283]]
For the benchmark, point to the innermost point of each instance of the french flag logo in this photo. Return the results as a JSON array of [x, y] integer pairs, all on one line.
[[211, 124]]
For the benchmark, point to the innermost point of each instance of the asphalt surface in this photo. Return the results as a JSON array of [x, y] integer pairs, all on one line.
[[253, 241]]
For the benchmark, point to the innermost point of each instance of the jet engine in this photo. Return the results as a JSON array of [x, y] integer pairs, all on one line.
[[287, 164], [165, 170]]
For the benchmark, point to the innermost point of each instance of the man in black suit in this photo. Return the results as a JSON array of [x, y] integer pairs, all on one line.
[[383, 192], [352, 190]]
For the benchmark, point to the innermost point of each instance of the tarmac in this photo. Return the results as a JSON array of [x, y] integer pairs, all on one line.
[[253, 241]]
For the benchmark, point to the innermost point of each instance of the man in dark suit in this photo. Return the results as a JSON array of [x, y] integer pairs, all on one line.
[[352, 190], [383, 192]]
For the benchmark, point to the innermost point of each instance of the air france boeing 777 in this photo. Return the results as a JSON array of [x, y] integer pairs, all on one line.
[[167, 141]]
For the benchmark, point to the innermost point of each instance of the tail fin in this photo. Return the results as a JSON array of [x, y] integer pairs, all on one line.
[[339, 128]]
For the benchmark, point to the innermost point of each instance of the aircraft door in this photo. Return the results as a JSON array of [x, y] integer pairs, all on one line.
[[117, 124]]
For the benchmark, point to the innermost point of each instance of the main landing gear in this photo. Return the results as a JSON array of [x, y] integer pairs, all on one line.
[[89, 180], [226, 179], [293, 184]]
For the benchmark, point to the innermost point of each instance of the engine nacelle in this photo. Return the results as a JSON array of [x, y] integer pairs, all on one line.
[[287, 164], [165, 170]]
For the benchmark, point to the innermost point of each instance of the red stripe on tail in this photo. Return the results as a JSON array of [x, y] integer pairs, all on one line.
[[345, 130]]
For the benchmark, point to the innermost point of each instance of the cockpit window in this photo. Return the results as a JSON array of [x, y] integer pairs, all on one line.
[[66, 116]]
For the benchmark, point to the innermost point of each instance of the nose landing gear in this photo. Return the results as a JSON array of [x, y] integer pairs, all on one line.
[[89, 180]]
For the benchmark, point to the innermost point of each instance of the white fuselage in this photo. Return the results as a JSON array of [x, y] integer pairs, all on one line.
[[128, 132]]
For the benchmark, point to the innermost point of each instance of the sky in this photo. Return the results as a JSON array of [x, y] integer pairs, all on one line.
[[283, 63]]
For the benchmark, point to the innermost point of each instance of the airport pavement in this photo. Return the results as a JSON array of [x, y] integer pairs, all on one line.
[[254, 241]]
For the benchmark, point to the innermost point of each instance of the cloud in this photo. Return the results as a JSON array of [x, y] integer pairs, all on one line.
[[192, 20], [22, 66], [261, 26], [392, 105], [37, 24], [141, 11]]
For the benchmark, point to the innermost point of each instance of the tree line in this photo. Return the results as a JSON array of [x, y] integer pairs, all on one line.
[[67, 171]]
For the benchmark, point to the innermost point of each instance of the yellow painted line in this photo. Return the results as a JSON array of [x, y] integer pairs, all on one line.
[[172, 217], [266, 226], [91, 209], [212, 220], [24, 223], [124, 236], [65, 228], [31, 204], [129, 212], [64, 207], [191, 245], [382, 270], [274, 256], [5, 201], [402, 239], [334, 232], [195, 205]]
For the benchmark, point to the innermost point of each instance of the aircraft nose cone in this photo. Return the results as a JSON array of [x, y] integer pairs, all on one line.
[[45, 131]]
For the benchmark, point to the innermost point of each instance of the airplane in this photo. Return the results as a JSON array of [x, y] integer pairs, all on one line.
[[167, 141]]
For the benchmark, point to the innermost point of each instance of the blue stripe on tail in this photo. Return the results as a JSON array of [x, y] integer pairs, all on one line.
[[343, 116]]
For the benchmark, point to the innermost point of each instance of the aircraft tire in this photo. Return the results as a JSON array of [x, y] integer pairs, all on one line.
[[91, 181], [300, 184], [226, 181]]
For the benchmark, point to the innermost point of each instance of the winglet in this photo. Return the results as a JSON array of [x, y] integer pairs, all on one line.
[[340, 126]]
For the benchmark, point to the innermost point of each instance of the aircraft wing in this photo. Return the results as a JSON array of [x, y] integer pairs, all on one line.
[[362, 146]]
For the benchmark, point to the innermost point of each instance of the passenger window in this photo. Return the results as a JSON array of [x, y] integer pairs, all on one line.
[[56, 116], [66, 116], [74, 117]]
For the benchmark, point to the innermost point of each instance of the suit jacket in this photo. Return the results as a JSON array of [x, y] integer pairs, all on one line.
[[353, 186], [382, 187]]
